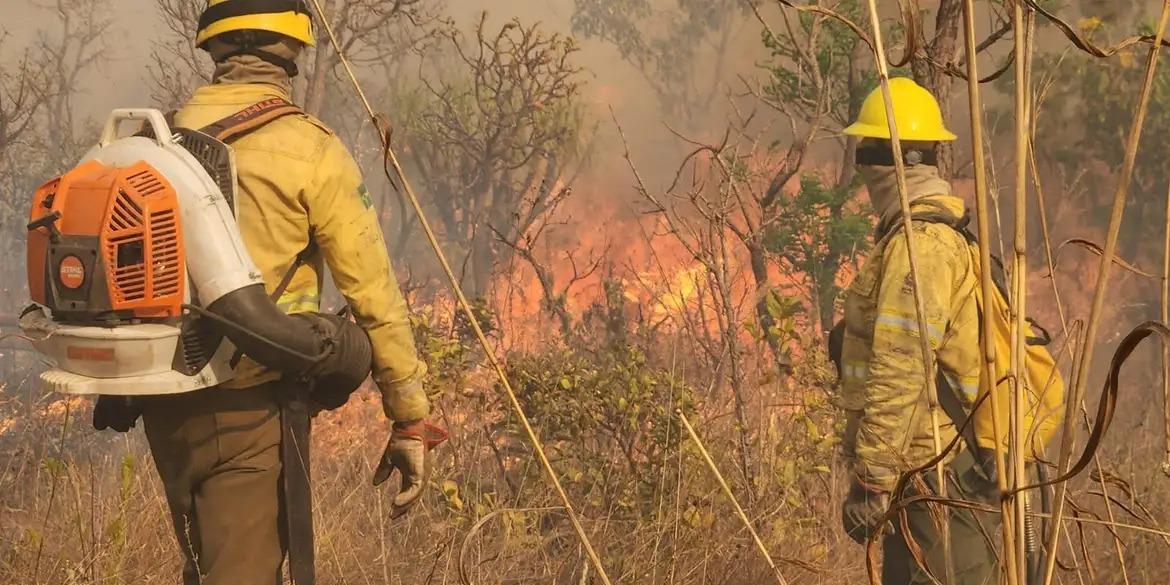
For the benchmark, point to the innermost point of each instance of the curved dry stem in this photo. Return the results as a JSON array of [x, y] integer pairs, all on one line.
[[1095, 248], [469, 538]]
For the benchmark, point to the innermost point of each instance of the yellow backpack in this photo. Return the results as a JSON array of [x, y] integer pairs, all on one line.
[[1043, 384]]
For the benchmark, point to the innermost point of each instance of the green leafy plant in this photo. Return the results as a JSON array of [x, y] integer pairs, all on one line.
[[819, 229], [608, 417]]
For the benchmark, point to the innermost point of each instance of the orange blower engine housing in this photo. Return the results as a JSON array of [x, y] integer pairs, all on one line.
[[105, 246]]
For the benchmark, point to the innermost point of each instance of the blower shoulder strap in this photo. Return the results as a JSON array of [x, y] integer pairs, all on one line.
[[231, 128], [249, 119]]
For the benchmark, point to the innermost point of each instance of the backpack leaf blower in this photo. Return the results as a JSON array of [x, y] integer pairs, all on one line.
[[142, 284]]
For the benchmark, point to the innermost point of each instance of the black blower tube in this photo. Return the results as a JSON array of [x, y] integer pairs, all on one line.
[[267, 335], [328, 348]]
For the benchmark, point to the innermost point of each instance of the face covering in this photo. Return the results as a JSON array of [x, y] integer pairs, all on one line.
[[232, 66], [882, 183]]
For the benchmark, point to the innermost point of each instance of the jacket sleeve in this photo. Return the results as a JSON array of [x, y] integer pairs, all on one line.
[[346, 228], [894, 394]]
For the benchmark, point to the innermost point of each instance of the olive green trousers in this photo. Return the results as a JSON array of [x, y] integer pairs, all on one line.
[[973, 534], [218, 454]]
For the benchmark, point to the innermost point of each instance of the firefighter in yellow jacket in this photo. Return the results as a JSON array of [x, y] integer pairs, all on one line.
[[223, 453], [888, 428]]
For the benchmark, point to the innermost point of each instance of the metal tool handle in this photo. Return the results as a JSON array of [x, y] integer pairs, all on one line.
[[158, 123]]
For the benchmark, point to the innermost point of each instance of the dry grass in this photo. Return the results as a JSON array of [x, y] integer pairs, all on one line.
[[80, 507]]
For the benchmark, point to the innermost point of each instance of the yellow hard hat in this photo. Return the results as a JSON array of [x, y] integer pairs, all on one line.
[[915, 111], [287, 17]]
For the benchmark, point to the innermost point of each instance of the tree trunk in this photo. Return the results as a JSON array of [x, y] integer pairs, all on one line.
[[316, 84], [729, 331], [553, 304], [943, 49], [480, 261], [759, 264], [615, 311]]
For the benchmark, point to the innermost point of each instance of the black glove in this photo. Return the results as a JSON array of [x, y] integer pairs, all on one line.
[[116, 412], [862, 512], [837, 347]]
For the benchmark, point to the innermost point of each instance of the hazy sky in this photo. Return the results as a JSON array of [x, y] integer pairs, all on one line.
[[121, 80]]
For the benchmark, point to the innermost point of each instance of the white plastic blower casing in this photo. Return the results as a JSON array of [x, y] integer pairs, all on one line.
[[217, 263]]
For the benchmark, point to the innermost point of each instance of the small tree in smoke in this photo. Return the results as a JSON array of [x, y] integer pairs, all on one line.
[[733, 201], [1085, 105], [23, 93], [814, 80], [817, 232], [379, 35], [178, 66], [497, 140]]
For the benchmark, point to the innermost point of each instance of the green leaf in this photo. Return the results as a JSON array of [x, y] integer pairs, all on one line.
[[451, 493], [810, 428], [127, 476], [55, 466]]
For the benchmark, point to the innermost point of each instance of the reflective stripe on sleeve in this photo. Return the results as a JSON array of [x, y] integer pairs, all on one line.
[[855, 371], [299, 303], [904, 324], [969, 388]]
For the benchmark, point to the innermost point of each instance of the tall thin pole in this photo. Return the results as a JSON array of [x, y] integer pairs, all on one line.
[[1166, 343], [987, 289], [731, 496], [1018, 305]]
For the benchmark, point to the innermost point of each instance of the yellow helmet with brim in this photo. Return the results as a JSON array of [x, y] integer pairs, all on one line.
[[287, 17], [916, 112]]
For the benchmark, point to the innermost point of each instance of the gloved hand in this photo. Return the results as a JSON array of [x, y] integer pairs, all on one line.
[[406, 451], [862, 511], [116, 412]]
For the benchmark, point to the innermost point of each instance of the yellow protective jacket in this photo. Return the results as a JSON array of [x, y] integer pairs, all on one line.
[[883, 389], [298, 182]]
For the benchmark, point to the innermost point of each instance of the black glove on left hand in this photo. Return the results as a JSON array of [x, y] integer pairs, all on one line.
[[862, 512], [116, 412]]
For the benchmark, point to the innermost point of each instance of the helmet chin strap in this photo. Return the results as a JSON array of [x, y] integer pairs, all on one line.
[[289, 66]]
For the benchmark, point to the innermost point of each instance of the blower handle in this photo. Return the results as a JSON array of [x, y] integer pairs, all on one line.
[[48, 220], [158, 123]]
